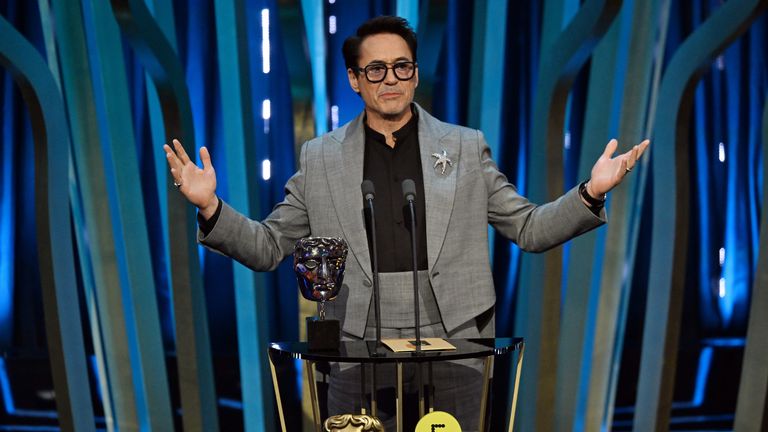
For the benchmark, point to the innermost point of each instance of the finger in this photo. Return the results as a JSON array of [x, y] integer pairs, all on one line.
[[622, 169], [641, 148], [610, 148], [632, 157], [170, 156], [168, 151], [182, 154], [175, 177], [205, 157]]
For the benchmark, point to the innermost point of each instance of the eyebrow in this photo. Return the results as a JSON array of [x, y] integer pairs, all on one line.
[[399, 59]]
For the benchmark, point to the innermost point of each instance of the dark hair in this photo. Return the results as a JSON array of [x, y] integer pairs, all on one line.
[[381, 24]]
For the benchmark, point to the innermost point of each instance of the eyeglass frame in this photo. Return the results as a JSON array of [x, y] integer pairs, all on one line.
[[388, 66]]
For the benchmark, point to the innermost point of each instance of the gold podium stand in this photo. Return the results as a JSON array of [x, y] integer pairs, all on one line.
[[365, 352]]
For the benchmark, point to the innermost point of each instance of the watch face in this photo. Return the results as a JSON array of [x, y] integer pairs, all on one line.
[[319, 266]]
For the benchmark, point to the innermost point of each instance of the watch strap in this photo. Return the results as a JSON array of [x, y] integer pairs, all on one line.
[[593, 202]]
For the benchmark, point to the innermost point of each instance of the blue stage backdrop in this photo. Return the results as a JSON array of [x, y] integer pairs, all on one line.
[[289, 103]]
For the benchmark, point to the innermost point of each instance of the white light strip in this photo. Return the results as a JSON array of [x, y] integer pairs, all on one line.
[[266, 113], [334, 117], [265, 49], [332, 24], [266, 169], [722, 256], [567, 141], [721, 152], [720, 62], [721, 292]]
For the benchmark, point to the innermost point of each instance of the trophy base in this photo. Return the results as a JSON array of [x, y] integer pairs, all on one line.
[[323, 335]]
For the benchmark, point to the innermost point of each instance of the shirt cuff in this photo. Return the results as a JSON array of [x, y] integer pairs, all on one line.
[[206, 226]]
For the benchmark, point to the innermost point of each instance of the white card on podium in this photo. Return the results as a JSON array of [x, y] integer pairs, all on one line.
[[427, 344]]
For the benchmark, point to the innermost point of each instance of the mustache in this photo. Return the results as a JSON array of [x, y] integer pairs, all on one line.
[[389, 90]]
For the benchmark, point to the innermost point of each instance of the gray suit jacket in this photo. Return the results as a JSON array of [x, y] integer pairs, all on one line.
[[323, 199]]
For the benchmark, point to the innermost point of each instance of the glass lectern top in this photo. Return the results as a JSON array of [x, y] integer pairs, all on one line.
[[367, 352]]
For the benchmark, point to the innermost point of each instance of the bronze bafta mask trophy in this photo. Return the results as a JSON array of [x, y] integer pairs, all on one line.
[[319, 266]]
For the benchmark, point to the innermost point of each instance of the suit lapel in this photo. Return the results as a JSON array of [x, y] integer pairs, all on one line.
[[343, 155], [439, 188]]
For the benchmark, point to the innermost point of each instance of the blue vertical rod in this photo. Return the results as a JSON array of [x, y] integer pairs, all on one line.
[[240, 147], [126, 205], [55, 247], [314, 22]]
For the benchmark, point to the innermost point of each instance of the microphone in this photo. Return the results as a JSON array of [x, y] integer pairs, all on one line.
[[409, 190], [369, 192], [409, 194], [368, 196]]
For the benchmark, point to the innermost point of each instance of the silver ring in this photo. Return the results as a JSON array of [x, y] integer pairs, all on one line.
[[628, 169], [177, 185]]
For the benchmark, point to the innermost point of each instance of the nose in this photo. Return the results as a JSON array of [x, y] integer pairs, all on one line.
[[389, 76], [323, 272]]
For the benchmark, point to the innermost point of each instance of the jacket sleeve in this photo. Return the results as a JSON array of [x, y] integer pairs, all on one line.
[[261, 246], [535, 228]]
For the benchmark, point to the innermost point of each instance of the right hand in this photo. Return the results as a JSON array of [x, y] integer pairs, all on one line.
[[197, 185]]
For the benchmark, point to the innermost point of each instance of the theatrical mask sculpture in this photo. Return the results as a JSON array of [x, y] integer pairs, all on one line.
[[319, 265]]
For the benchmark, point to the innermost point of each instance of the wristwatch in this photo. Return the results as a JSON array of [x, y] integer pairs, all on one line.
[[593, 202]]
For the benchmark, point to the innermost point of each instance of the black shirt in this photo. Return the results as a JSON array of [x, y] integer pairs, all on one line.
[[387, 167]]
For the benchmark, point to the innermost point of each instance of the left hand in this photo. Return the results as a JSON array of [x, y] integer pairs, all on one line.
[[608, 172]]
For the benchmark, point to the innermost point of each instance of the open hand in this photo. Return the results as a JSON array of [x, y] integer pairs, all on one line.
[[608, 172], [197, 185]]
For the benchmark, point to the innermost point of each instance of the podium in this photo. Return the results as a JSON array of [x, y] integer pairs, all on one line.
[[366, 352]]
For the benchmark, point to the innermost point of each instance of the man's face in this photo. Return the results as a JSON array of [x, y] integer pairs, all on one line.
[[391, 97]]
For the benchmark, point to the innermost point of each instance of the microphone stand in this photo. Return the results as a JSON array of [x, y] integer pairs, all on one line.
[[409, 191], [415, 277], [368, 196], [375, 268]]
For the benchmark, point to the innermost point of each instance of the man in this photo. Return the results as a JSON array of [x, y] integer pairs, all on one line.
[[459, 192]]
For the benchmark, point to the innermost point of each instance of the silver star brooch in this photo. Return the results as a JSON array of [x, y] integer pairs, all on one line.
[[442, 161]]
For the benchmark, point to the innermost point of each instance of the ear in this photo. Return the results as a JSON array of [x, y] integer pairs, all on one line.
[[352, 77], [416, 77]]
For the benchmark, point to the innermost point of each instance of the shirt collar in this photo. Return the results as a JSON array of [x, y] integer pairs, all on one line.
[[399, 134]]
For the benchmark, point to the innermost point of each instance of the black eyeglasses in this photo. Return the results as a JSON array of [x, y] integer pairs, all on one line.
[[376, 72]]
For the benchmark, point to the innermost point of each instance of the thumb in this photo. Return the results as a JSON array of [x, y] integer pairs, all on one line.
[[610, 148], [205, 157]]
